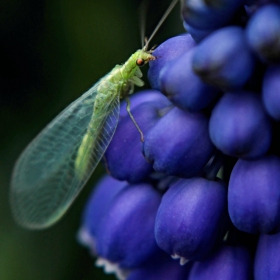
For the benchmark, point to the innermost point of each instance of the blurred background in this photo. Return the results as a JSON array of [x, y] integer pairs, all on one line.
[[51, 52]]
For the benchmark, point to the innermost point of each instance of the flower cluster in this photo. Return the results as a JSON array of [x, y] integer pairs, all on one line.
[[203, 190]]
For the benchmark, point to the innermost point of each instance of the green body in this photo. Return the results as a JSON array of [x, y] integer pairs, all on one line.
[[118, 83]]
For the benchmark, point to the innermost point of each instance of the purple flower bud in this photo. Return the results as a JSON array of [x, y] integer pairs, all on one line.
[[271, 91], [126, 236], [96, 208], [229, 262], [223, 59], [124, 158], [165, 53], [179, 144], [254, 195], [183, 87], [263, 32], [192, 218], [267, 261], [161, 268], [239, 125], [209, 14]]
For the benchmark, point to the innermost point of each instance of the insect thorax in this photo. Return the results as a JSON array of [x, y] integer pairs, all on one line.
[[122, 78]]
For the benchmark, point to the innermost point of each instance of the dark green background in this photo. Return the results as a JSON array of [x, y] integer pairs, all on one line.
[[52, 51]]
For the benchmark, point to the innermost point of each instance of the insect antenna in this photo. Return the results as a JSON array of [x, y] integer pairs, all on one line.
[[142, 21], [169, 9]]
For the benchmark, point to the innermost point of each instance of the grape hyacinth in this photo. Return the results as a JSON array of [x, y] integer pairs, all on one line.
[[199, 199]]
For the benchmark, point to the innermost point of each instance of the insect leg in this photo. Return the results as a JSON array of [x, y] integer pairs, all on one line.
[[132, 118], [131, 89], [137, 81]]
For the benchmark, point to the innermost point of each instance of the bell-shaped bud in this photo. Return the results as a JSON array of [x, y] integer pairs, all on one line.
[[239, 125], [254, 195], [263, 32], [224, 59], [179, 144], [192, 218], [126, 235]]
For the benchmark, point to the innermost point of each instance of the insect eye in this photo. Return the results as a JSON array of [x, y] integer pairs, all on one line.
[[140, 61]]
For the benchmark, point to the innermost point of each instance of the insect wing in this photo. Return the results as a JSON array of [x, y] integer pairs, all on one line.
[[48, 175]]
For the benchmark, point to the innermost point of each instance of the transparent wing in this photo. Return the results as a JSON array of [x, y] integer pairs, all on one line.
[[52, 170]]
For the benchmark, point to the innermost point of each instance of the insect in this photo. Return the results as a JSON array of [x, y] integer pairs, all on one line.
[[55, 166]]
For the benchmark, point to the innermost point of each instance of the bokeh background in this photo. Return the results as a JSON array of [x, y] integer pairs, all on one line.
[[52, 51]]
